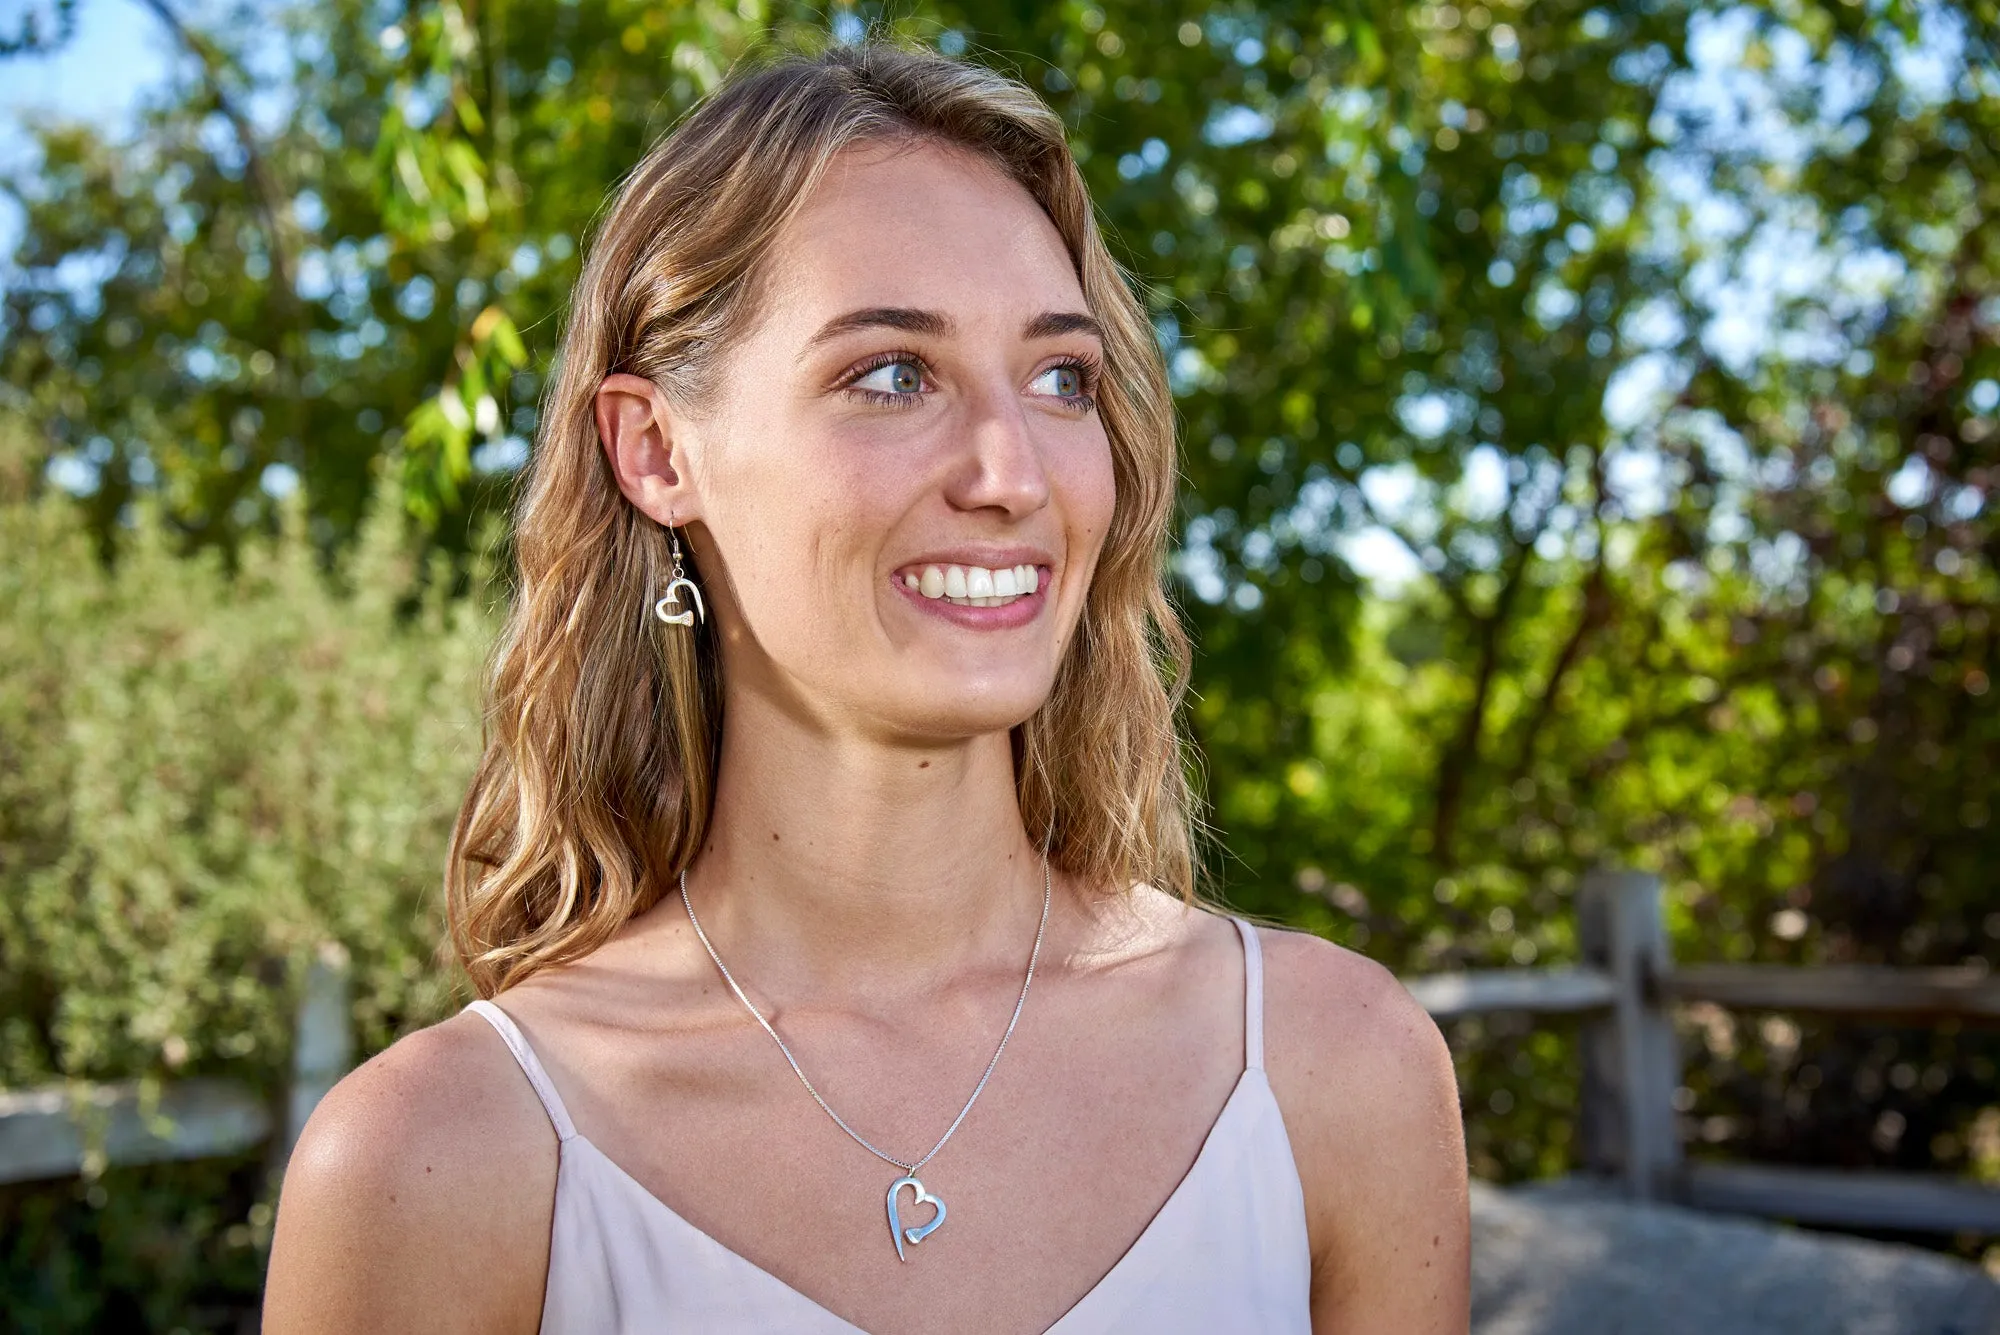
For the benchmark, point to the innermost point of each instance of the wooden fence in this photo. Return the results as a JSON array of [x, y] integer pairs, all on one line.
[[63, 1130], [1627, 989]]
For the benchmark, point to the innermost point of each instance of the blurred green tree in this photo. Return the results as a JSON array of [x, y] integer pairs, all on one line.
[[1653, 342]]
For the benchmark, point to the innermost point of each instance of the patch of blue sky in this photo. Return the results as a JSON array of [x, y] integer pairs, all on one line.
[[1916, 484], [309, 210], [1188, 370], [1260, 550], [1358, 106], [1318, 503], [1553, 303], [1403, 508], [1640, 479], [1964, 504], [1395, 492], [1931, 69], [314, 278], [1655, 324], [1430, 412], [1912, 485], [268, 54], [119, 61], [1230, 124], [505, 454], [279, 481], [848, 27], [73, 473], [118, 58], [1425, 416], [1197, 562], [1379, 557], [81, 275], [1481, 492], [1770, 279]]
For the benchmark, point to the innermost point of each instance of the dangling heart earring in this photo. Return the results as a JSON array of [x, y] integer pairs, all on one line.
[[679, 581]]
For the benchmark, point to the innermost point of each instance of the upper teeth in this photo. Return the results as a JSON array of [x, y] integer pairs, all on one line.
[[975, 586]]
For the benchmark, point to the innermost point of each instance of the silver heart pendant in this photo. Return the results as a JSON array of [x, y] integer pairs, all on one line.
[[916, 1233]]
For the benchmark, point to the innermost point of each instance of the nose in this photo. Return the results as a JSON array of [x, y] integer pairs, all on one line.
[[1000, 467]]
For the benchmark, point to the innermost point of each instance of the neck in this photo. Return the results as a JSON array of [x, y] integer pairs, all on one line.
[[863, 866]]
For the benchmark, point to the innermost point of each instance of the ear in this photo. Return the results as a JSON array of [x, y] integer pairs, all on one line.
[[638, 430]]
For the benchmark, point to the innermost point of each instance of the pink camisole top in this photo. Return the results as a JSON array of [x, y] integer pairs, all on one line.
[[1227, 1252]]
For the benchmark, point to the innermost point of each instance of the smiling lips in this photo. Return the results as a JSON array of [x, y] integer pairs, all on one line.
[[975, 586]]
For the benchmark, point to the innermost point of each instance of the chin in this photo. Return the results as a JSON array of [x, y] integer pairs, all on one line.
[[942, 713]]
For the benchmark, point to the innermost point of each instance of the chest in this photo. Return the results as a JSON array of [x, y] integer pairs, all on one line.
[[1067, 1168]]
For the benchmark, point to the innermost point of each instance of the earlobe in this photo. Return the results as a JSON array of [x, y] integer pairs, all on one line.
[[635, 429]]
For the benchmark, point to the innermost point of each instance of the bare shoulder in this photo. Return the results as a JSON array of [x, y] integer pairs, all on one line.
[[419, 1196], [1329, 1010], [1370, 1102]]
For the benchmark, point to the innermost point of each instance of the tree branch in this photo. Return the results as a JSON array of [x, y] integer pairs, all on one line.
[[31, 41], [1596, 610], [1455, 765], [270, 203]]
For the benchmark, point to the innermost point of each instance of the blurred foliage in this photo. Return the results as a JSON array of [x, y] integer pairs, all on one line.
[[169, 1247], [204, 774], [1656, 341]]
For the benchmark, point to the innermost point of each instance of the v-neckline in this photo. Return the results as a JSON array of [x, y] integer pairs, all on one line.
[[1090, 1296]]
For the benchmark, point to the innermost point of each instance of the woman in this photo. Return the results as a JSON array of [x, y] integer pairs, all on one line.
[[832, 777]]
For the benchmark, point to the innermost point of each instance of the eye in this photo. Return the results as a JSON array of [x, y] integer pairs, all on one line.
[[898, 378], [1070, 383], [1065, 382]]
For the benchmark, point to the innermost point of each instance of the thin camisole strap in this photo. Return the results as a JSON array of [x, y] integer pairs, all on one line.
[[1253, 996], [531, 1066]]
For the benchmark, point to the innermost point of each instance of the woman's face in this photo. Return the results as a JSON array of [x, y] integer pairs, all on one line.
[[902, 470]]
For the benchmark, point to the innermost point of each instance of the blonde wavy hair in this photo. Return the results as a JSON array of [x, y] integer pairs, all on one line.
[[602, 726]]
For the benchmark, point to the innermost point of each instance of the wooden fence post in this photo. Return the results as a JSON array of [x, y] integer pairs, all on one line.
[[322, 1047], [1631, 1065]]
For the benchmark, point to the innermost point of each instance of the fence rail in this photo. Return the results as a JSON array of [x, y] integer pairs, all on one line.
[[1855, 991], [1453, 996], [1626, 991], [62, 1130], [57, 1131]]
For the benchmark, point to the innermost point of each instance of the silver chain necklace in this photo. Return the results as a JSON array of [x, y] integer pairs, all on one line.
[[898, 1232]]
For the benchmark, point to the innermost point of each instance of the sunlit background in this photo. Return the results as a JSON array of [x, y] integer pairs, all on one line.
[[1589, 413]]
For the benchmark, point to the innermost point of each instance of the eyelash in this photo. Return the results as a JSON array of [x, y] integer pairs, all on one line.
[[1088, 369]]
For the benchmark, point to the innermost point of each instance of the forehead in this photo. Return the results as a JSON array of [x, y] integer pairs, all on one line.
[[917, 224]]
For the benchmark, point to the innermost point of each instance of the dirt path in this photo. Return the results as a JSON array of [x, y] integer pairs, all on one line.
[[1562, 1260]]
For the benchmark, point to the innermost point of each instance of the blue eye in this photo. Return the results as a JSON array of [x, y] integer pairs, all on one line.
[[1068, 383], [898, 378]]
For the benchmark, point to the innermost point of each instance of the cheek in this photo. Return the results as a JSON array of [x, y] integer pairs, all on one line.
[[839, 509], [1088, 485], [798, 514]]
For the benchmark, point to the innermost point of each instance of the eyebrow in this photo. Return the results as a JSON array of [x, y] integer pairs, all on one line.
[[935, 324], [905, 318], [1053, 324]]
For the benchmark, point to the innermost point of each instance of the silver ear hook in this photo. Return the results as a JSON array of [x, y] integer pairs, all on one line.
[[671, 599]]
